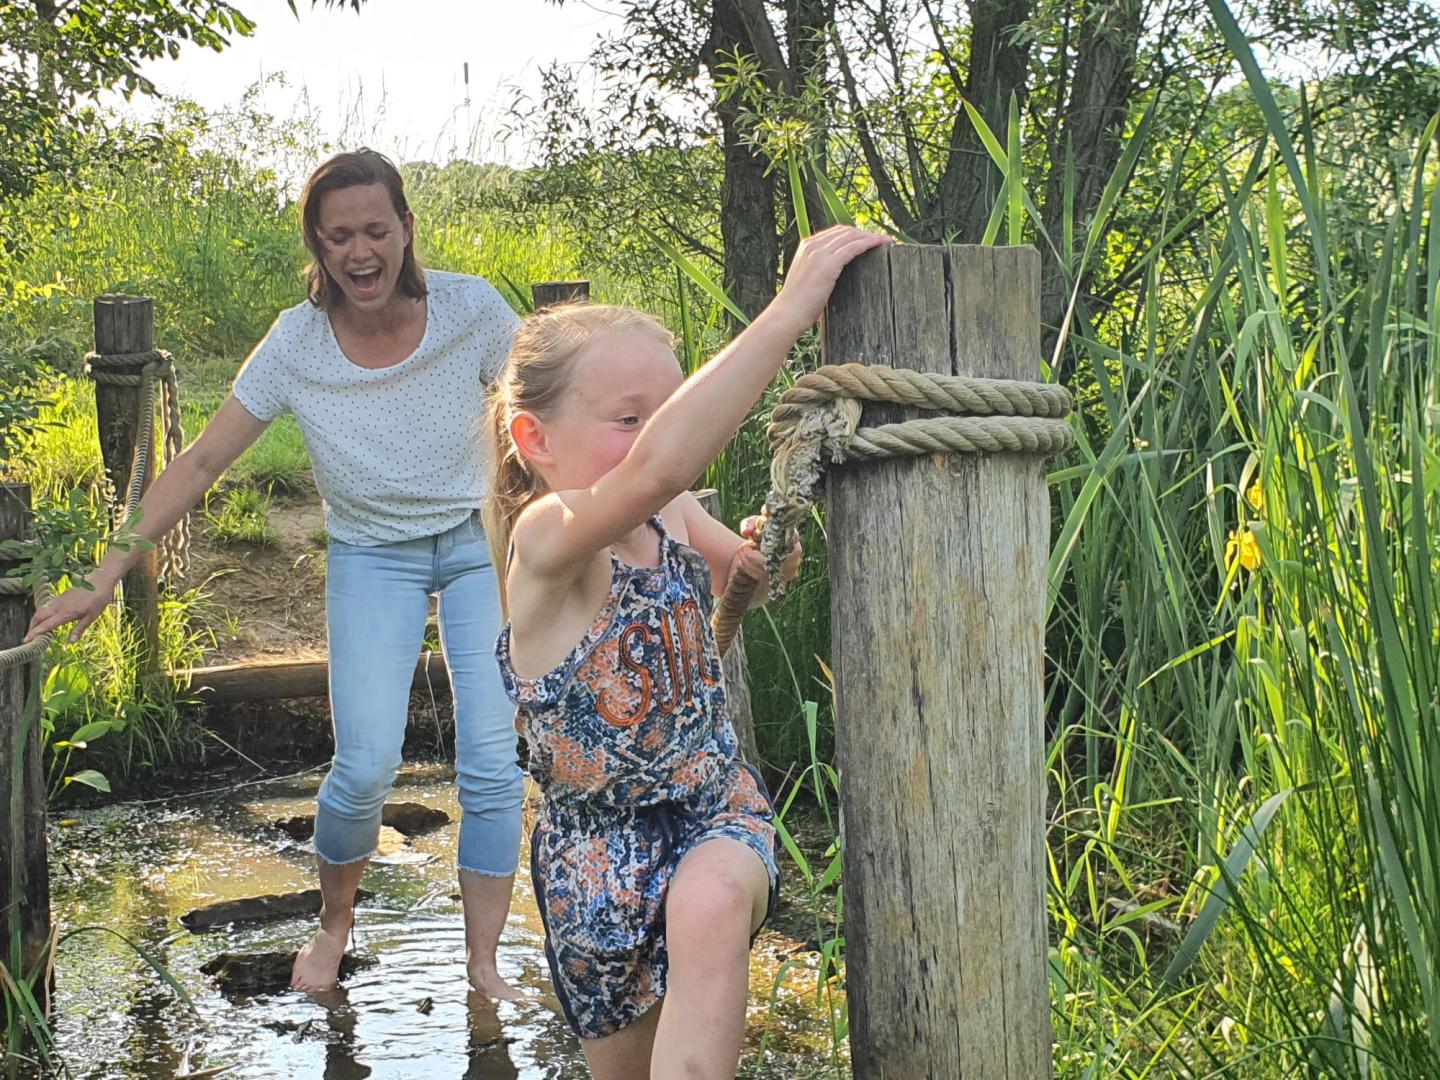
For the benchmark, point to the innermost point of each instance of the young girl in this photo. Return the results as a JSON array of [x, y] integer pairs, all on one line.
[[654, 857]]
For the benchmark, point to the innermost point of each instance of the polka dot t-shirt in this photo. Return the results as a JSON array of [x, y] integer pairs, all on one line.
[[396, 450]]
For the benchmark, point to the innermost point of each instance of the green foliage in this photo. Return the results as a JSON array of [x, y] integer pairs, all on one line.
[[243, 518], [60, 54], [276, 462], [24, 379]]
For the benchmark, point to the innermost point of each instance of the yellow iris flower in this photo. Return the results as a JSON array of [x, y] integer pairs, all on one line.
[[1242, 546]]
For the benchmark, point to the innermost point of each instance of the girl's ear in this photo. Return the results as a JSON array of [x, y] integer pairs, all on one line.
[[529, 437]]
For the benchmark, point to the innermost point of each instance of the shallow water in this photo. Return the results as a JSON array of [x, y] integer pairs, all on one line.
[[136, 869]]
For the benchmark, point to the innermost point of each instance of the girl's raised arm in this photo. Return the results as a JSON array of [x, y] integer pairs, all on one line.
[[556, 533]]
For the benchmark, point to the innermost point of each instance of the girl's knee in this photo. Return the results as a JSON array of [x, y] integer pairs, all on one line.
[[714, 899]]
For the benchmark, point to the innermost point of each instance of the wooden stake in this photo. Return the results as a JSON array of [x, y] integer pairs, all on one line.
[[937, 575], [25, 908], [126, 324]]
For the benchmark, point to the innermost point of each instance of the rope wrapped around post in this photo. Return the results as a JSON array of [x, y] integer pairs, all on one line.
[[154, 372], [31, 651], [817, 423]]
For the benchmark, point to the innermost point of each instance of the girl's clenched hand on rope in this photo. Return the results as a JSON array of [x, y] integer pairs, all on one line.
[[748, 564]]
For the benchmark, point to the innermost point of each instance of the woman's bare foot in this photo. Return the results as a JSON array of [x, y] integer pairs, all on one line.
[[484, 979], [317, 966]]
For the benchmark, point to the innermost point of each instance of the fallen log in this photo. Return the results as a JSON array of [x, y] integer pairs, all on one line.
[[268, 680], [253, 909], [409, 818]]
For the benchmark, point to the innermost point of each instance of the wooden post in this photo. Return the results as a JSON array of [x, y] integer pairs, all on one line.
[[737, 671], [22, 854], [545, 294], [126, 324], [937, 575]]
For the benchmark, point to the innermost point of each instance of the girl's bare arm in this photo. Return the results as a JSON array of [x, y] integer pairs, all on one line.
[[558, 532]]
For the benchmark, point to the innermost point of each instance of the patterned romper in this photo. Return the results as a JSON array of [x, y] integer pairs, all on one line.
[[630, 743]]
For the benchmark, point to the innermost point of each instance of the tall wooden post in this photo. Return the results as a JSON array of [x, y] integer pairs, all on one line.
[[126, 324], [24, 874], [736, 668], [937, 574], [545, 294]]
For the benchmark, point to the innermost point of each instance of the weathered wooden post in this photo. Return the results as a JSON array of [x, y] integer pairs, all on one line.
[[737, 670], [125, 328], [545, 294], [937, 575], [25, 907]]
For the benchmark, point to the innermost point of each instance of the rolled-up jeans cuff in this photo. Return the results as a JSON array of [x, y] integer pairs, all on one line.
[[342, 862], [490, 873], [339, 840]]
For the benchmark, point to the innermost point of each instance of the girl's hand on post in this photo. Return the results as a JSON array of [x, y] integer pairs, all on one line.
[[77, 604], [816, 267]]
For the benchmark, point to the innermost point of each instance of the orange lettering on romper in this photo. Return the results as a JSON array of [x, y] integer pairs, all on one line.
[[672, 701], [684, 661], [692, 623], [635, 715]]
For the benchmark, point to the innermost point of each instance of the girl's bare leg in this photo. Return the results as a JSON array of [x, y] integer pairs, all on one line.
[[626, 1054], [716, 901]]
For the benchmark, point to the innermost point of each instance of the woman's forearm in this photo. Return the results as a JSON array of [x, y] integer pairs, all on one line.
[[174, 492]]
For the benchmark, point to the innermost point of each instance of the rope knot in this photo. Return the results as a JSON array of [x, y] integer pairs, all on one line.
[[817, 423]]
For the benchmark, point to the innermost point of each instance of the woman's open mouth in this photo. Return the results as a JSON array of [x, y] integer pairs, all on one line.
[[365, 283]]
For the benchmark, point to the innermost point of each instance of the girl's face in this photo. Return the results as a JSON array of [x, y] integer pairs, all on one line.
[[619, 380], [363, 240]]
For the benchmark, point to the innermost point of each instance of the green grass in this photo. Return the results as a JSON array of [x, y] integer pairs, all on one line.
[[242, 517]]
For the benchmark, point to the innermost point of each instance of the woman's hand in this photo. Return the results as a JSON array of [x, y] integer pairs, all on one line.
[[77, 604]]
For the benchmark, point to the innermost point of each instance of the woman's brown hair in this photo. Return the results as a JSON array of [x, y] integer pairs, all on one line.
[[533, 379], [345, 170]]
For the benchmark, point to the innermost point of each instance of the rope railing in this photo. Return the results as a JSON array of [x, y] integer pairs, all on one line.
[[817, 423], [153, 371], [31, 651]]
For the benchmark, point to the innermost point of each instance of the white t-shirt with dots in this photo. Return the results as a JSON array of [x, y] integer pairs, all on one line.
[[396, 450]]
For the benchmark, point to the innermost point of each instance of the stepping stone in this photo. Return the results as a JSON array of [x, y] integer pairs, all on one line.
[[255, 909], [413, 819], [267, 972], [410, 818]]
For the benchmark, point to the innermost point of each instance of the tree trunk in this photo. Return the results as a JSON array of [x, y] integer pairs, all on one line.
[[1094, 117], [999, 59], [747, 194]]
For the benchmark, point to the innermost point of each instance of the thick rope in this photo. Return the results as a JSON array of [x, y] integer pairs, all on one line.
[[30, 652], [816, 423], [151, 370]]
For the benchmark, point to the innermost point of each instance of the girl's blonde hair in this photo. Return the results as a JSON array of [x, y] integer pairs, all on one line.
[[533, 379]]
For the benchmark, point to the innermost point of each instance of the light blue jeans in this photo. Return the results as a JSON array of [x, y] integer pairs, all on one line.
[[377, 599]]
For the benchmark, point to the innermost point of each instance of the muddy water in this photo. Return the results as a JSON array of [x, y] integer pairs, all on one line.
[[137, 869]]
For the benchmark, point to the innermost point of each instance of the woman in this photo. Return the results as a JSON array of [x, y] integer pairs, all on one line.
[[385, 369]]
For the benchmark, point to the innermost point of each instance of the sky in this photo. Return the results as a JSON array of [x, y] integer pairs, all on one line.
[[393, 76]]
